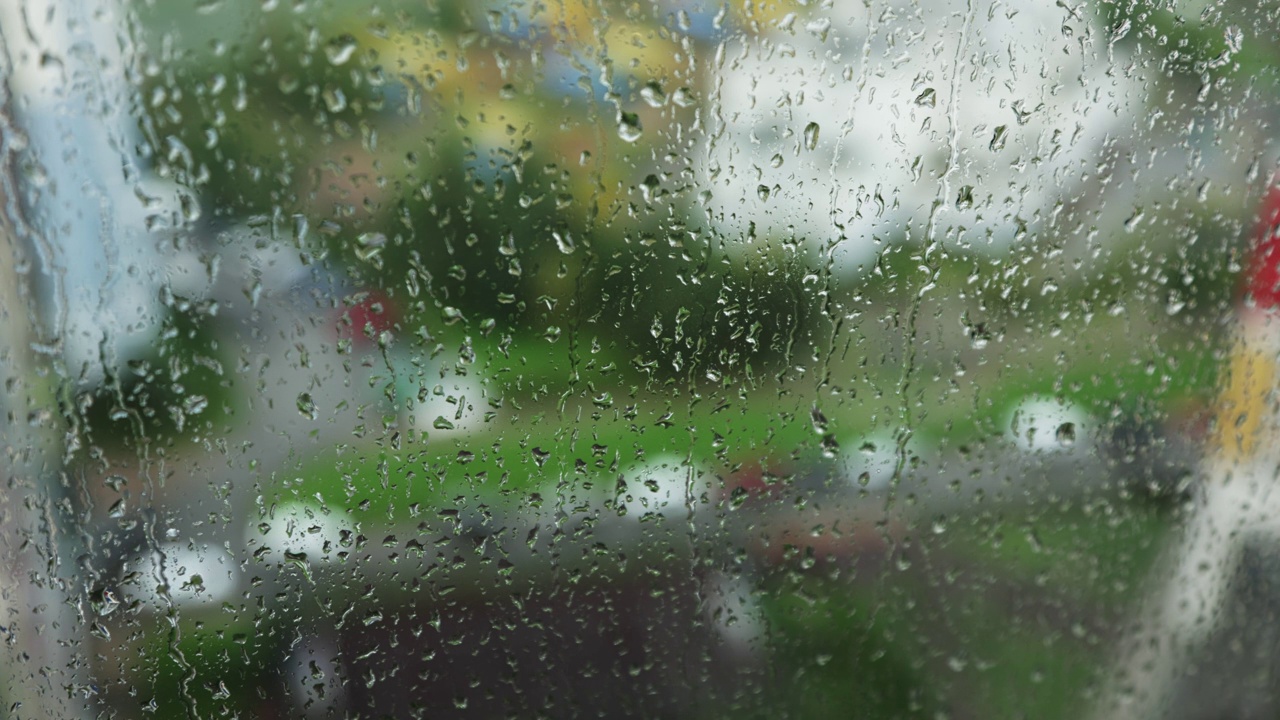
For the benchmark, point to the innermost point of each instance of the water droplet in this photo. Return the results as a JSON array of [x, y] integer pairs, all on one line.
[[564, 242], [371, 240], [195, 404], [340, 49], [653, 94], [334, 99], [821, 28], [105, 603], [649, 188], [683, 98], [998, 138], [928, 98], [307, 406], [1066, 434], [1134, 220], [964, 199], [299, 560], [1235, 38], [190, 207], [629, 128], [763, 192], [820, 422], [811, 135], [1023, 116]]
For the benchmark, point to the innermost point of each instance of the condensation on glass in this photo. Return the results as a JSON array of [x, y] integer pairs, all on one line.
[[668, 359]]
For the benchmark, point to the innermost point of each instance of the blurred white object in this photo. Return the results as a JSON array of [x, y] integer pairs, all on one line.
[[668, 487], [871, 462], [732, 609], [853, 123], [309, 533], [1046, 424], [186, 575]]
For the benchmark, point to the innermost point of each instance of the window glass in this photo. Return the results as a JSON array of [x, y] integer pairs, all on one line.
[[591, 358]]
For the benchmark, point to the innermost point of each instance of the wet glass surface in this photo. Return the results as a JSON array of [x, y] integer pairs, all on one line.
[[668, 359]]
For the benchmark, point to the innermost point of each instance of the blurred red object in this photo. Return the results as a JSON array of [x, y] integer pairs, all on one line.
[[1262, 279], [373, 313]]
